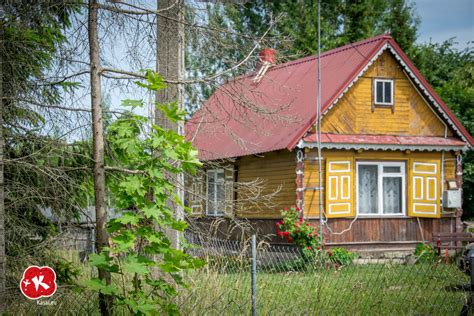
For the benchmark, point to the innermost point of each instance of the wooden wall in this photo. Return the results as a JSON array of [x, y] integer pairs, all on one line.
[[275, 171], [411, 116], [311, 179], [387, 230]]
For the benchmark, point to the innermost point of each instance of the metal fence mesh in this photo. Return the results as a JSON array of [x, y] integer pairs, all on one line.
[[288, 283]]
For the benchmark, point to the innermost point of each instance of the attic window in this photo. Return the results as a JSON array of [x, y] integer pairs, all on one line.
[[383, 92]]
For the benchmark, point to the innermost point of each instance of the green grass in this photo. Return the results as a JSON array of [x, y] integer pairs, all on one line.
[[224, 288], [374, 289]]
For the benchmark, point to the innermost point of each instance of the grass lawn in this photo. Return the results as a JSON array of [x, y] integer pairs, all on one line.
[[372, 289]]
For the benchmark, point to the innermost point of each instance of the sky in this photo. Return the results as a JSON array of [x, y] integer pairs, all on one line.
[[443, 19]]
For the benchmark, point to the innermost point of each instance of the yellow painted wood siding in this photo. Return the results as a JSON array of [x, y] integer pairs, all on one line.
[[411, 116], [275, 169], [311, 198]]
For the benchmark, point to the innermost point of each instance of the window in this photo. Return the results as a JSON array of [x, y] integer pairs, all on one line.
[[380, 188], [383, 92], [215, 192]]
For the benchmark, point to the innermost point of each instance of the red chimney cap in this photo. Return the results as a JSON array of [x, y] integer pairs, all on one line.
[[267, 55]]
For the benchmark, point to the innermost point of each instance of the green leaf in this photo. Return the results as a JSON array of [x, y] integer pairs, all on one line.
[[162, 285], [129, 218], [133, 185], [172, 111], [137, 264], [124, 241], [104, 262], [132, 103], [100, 286], [113, 225], [179, 225], [155, 81]]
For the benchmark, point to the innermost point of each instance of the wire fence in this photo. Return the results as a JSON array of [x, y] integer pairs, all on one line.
[[289, 282], [286, 281]]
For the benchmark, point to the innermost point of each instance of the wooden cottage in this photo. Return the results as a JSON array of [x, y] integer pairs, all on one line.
[[391, 149]]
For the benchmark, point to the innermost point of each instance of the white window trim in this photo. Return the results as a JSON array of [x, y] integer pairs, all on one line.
[[214, 198], [383, 92], [380, 176]]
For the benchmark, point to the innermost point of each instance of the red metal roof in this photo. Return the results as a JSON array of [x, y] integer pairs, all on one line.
[[385, 140], [244, 118]]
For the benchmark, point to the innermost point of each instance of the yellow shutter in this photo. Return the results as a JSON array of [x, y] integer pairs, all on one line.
[[339, 187], [229, 191], [424, 188]]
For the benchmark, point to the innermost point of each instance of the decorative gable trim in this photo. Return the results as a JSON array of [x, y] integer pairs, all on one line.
[[412, 77], [427, 93], [360, 74]]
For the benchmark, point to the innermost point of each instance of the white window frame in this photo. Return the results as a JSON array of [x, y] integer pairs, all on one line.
[[392, 84], [380, 176], [214, 198]]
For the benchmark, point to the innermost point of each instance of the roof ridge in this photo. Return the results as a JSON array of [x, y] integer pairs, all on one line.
[[332, 51], [314, 57]]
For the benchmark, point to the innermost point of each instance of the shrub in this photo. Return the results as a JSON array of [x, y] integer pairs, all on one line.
[[295, 229], [341, 256], [425, 253]]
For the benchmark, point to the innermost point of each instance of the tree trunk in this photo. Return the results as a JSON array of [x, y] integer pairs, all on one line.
[[98, 149], [3, 257], [170, 64]]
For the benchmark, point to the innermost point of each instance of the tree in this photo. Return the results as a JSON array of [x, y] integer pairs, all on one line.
[[145, 162], [98, 150], [30, 34]]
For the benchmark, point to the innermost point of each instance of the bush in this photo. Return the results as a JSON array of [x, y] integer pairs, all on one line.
[[295, 229], [341, 256], [425, 253]]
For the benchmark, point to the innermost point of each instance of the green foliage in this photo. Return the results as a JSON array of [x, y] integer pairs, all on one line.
[[66, 271], [300, 232], [295, 229], [140, 254], [41, 172], [425, 253], [341, 256]]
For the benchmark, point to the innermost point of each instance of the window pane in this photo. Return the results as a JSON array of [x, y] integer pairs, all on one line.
[[368, 197], [388, 92], [379, 92], [392, 195], [220, 175], [391, 169]]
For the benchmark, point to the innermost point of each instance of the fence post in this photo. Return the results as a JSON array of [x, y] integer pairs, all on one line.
[[254, 275]]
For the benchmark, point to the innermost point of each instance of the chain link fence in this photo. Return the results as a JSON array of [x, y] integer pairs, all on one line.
[[285, 281], [288, 282]]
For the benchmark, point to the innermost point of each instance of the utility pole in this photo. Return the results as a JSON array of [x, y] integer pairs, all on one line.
[[170, 64]]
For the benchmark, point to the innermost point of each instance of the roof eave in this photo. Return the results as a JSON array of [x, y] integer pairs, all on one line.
[[384, 147]]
